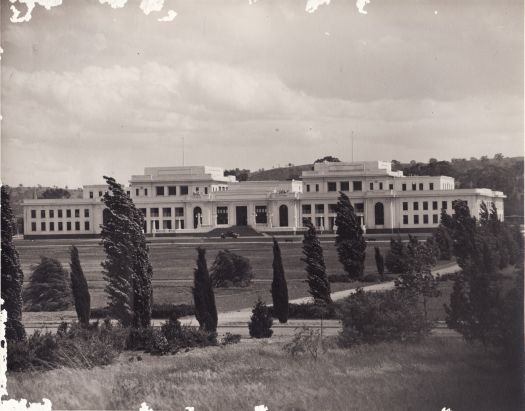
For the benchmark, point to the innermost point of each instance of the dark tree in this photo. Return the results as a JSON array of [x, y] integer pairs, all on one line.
[[12, 275], [55, 193], [48, 288], [203, 296], [127, 268], [350, 241], [319, 286], [380, 264], [79, 287], [231, 269], [444, 242], [330, 159], [396, 256], [261, 321], [279, 287]]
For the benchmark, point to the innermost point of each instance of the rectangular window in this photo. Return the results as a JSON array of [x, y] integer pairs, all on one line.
[[425, 218], [405, 219], [68, 213], [404, 187], [137, 191], [100, 193], [435, 219], [146, 192], [371, 186], [305, 219], [160, 190], [42, 226], [345, 186], [380, 186], [154, 212], [86, 212], [59, 213], [143, 211], [205, 190], [332, 186], [357, 185], [307, 209], [86, 225], [425, 205], [308, 188], [60, 226], [414, 186], [431, 186], [222, 215], [33, 226], [405, 206], [317, 188], [391, 186], [77, 225], [155, 225], [91, 194], [332, 208], [421, 186], [33, 213], [42, 213], [444, 205], [166, 224], [183, 190], [434, 205], [166, 212], [415, 206], [179, 212], [260, 215], [319, 208], [128, 193], [77, 212], [360, 207], [51, 213], [416, 219], [68, 226]]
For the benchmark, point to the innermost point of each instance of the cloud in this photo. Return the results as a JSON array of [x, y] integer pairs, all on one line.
[[30, 4], [148, 6], [360, 4], [170, 17], [115, 4], [313, 5]]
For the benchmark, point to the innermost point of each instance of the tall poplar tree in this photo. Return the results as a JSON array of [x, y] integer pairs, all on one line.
[[350, 241], [279, 287], [203, 296], [79, 288], [127, 268], [12, 275], [319, 286]]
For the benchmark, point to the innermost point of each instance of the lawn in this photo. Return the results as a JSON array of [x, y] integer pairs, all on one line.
[[436, 373]]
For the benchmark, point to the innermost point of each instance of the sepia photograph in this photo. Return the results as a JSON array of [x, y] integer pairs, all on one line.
[[262, 205]]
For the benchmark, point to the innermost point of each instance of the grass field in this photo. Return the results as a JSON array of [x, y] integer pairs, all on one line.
[[436, 373], [173, 266]]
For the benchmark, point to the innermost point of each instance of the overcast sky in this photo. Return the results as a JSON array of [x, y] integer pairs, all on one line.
[[88, 89]]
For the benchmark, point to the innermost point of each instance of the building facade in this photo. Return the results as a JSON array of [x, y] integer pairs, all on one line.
[[198, 199]]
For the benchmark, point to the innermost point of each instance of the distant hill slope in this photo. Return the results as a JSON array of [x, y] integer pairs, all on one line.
[[281, 173]]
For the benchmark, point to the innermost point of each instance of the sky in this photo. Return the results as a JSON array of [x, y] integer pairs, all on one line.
[[97, 87]]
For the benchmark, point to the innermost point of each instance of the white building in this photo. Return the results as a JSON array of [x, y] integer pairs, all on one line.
[[198, 199]]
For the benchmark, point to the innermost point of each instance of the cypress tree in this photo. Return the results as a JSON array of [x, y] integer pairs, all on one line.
[[380, 264], [396, 256], [127, 268], [48, 288], [444, 242], [12, 275], [319, 286], [279, 287], [260, 325], [203, 296], [350, 241], [79, 287]]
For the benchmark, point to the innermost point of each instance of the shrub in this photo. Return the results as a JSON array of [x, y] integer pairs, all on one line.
[[230, 269], [310, 311], [382, 316], [306, 341], [371, 278], [339, 278], [396, 257], [261, 322], [231, 339]]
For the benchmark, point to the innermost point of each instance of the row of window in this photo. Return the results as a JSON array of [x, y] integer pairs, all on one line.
[[332, 208], [415, 205], [60, 226], [435, 219], [100, 194], [60, 213], [415, 186], [166, 212]]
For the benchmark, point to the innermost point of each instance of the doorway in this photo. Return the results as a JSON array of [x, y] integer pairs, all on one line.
[[241, 213]]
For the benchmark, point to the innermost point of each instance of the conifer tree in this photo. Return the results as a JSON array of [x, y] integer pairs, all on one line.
[[279, 287], [350, 241], [260, 325], [396, 256], [127, 268], [48, 288], [444, 242], [319, 286], [203, 296], [79, 288], [380, 264], [12, 275]]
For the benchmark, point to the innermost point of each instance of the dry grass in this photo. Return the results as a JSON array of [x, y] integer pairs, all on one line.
[[427, 376]]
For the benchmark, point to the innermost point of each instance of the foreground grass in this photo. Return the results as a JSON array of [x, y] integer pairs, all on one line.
[[437, 373]]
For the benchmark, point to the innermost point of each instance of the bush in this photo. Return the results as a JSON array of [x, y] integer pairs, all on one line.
[[230, 269], [371, 278], [160, 311], [381, 316], [306, 341], [184, 336], [311, 311], [396, 257], [231, 339], [339, 278], [261, 322]]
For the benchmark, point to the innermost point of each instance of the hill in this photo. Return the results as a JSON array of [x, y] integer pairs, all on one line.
[[280, 173]]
